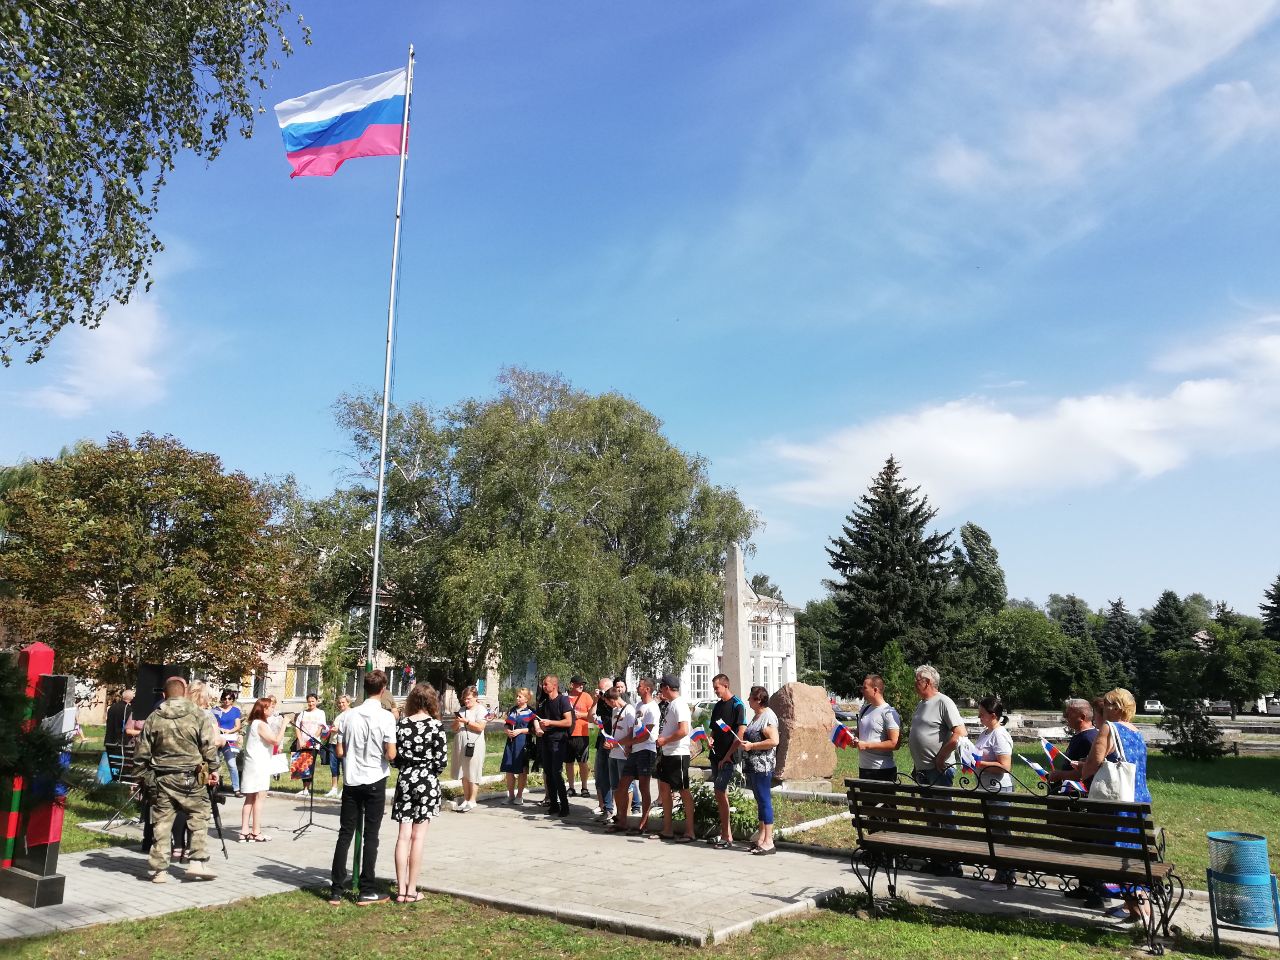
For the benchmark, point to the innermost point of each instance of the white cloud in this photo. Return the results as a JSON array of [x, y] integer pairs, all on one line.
[[1234, 111], [119, 365], [973, 448]]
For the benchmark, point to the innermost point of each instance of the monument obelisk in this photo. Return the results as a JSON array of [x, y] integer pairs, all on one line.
[[735, 660]]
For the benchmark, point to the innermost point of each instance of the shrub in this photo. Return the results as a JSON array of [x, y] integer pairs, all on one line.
[[1193, 736], [743, 816]]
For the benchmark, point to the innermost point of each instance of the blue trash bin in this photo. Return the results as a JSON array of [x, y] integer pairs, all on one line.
[[1242, 891]]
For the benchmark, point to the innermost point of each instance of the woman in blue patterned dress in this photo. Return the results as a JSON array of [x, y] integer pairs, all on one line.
[[515, 756], [1118, 708], [422, 749]]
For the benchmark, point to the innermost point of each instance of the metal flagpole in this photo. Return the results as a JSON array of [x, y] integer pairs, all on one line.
[[386, 376], [386, 403]]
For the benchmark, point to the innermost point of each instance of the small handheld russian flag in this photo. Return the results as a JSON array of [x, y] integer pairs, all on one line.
[[841, 736], [1053, 753], [725, 728], [698, 735], [641, 732], [1076, 785], [1041, 772]]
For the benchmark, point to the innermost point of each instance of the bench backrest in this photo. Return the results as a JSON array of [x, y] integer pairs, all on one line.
[[1061, 823]]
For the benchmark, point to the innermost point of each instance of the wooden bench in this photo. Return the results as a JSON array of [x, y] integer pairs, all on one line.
[[1067, 837]]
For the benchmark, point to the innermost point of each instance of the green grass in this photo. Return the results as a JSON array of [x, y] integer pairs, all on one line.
[[1188, 800], [292, 925]]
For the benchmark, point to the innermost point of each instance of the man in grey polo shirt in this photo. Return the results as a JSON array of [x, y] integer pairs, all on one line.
[[936, 729]]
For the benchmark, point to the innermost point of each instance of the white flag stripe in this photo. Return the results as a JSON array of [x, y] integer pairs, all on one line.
[[341, 98]]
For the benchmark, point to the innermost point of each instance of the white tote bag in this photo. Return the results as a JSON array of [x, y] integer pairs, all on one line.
[[1115, 779]]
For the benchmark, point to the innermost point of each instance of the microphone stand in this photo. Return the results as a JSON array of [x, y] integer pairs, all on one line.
[[312, 749]]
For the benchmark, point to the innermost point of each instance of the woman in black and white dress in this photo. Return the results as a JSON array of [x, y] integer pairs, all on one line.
[[422, 750]]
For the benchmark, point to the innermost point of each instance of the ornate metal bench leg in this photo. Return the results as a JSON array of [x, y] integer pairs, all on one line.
[[891, 874], [1151, 900], [1171, 902], [871, 863]]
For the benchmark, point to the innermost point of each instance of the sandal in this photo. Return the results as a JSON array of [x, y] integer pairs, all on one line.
[[245, 838], [764, 851], [259, 838], [417, 897], [720, 843], [683, 838]]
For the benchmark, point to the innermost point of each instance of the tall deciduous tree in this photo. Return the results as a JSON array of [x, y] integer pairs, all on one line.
[[891, 577], [817, 628], [544, 524], [1027, 660], [978, 572], [765, 587], [98, 100], [146, 552]]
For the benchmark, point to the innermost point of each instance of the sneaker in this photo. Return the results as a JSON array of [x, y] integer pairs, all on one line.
[[995, 887], [458, 805], [635, 811], [333, 793], [159, 876], [519, 801], [370, 897], [335, 897], [511, 801], [200, 870]]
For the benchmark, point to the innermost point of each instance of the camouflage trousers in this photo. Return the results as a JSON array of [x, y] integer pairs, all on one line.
[[179, 792]]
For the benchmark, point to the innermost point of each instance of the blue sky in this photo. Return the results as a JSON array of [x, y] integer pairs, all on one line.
[[1031, 249]]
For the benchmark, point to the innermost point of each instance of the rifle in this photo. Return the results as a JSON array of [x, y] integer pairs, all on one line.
[[217, 799]]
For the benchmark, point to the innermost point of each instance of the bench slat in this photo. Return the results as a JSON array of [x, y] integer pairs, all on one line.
[[870, 799]]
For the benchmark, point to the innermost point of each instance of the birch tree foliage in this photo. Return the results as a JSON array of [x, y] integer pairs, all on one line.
[[97, 101]]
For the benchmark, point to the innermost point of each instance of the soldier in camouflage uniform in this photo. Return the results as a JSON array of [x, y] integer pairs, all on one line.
[[176, 740]]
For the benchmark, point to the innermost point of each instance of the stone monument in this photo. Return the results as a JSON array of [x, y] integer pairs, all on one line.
[[735, 658], [805, 719]]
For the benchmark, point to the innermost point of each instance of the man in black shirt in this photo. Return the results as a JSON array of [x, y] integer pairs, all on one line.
[[553, 722], [724, 745]]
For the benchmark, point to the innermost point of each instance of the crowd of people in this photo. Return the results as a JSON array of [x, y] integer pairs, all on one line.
[[638, 740]]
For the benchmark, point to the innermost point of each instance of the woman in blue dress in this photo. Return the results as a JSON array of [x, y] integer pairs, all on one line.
[[1118, 708], [515, 758]]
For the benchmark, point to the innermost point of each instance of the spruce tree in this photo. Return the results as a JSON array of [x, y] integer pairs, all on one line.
[[1072, 615], [891, 577], [1271, 615], [1118, 645], [1169, 630]]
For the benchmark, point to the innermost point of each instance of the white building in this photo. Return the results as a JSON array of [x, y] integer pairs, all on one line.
[[773, 649]]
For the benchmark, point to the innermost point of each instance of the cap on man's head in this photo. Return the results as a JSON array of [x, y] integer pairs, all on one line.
[[577, 680], [670, 680]]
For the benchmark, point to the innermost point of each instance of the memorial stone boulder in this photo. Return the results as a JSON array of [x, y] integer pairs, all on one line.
[[805, 718]]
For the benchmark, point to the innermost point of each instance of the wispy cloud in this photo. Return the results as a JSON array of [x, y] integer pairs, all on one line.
[[974, 448], [120, 365]]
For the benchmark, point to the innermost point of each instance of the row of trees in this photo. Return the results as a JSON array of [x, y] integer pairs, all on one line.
[[904, 590], [541, 524]]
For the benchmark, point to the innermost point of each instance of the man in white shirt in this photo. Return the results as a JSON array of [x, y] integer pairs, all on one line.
[[365, 739], [640, 743], [673, 757]]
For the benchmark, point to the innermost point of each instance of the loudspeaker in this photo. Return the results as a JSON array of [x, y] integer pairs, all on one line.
[[149, 690]]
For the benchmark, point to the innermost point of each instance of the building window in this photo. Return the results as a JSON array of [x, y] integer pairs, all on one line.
[[260, 683], [400, 680], [759, 636], [353, 684], [306, 679], [480, 687], [782, 643], [699, 676], [764, 676]]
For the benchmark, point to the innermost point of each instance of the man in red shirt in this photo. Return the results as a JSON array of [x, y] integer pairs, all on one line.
[[579, 735]]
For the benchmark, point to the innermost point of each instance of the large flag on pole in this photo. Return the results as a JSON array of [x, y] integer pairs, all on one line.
[[359, 118]]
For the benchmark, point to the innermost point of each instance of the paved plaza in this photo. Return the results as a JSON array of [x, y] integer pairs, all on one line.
[[487, 856]]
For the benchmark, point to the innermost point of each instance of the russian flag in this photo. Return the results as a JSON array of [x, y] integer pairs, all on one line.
[[1053, 753], [841, 736], [641, 732], [359, 118], [698, 735], [1041, 772], [1076, 785]]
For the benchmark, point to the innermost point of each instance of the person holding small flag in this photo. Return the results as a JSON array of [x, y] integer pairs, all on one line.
[[634, 729], [728, 723], [760, 741], [515, 756], [993, 760], [673, 759], [1077, 717], [879, 727]]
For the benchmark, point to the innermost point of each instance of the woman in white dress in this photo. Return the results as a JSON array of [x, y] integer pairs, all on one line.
[[259, 743], [468, 748]]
